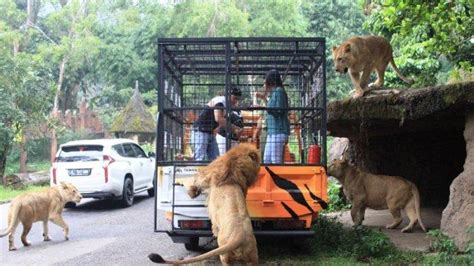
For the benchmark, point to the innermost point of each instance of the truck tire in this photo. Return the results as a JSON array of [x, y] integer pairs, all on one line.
[[193, 244]]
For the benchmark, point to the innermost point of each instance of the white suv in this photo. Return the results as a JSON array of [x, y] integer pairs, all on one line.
[[105, 168]]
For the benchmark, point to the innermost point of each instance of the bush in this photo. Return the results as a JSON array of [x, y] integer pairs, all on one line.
[[446, 250], [361, 243], [337, 201]]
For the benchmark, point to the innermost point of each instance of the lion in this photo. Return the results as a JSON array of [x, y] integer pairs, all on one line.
[[226, 181], [42, 206], [365, 54], [378, 192]]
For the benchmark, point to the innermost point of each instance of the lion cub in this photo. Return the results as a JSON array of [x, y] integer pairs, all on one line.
[[365, 54], [39, 206], [378, 192]]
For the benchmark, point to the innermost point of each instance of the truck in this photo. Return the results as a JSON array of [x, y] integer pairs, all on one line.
[[287, 197]]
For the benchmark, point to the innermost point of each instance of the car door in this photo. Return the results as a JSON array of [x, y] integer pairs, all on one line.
[[146, 166], [135, 164]]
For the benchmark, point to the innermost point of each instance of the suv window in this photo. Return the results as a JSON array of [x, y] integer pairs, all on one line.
[[118, 148], [80, 153], [128, 150], [138, 151]]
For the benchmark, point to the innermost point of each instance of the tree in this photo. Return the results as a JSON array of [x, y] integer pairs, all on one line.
[[335, 20], [23, 85], [423, 33]]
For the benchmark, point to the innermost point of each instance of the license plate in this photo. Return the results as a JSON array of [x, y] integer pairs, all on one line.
[[79, 172]]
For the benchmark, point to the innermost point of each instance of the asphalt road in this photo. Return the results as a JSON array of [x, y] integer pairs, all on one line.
[[101, 233]]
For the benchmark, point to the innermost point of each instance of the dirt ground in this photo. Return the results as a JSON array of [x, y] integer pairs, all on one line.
[[417, 240]]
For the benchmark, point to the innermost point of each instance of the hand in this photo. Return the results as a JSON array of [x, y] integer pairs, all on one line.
[[261, 95]]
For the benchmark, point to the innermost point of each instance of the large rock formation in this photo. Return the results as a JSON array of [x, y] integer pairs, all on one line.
[[459, 214], [417, 134]]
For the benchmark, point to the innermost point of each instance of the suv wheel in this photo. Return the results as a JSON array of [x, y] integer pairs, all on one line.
[[70, 205], [193, 244], [127, 192], [151, 191]]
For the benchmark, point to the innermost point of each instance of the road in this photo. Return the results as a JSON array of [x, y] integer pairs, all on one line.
[[101, 233]]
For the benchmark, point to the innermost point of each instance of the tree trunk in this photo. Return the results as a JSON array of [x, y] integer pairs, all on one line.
[[23, 153], [3, 160]]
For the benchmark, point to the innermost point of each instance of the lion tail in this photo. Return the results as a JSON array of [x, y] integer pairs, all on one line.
[[234, 243], [399, 74], [14, 210], [416, 196]]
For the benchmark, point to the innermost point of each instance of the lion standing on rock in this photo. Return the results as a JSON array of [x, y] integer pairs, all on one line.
[[365, 54], [378, 192], [46, 205]]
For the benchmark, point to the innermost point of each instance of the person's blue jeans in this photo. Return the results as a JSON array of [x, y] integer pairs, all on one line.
[[274, 148], [205, 146]]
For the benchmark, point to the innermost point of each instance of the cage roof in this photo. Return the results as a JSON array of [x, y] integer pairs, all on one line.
[[241, 56]]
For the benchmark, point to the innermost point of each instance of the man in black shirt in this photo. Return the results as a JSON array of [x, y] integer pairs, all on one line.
[[203, 139], [236, 121]]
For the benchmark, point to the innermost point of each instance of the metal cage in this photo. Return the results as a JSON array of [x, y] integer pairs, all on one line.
[[194, 70]]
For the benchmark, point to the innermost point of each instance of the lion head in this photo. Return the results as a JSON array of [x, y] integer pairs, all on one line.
[[69, 192], [337, 167], [240, 166], [343, 57]]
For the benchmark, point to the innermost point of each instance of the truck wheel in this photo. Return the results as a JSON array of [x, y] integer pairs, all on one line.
[[127, 192], [193, 244]]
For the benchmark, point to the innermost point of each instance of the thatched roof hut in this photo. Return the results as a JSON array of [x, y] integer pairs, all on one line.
[[135, 121]]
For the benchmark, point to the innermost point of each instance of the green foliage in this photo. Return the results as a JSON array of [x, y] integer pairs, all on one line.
[[359, 242], [8, 194], [421, 32], [336, 21], [446, 250], [337, 201]]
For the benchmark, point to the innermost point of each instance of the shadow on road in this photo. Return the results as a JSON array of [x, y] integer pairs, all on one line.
[[100, 205]]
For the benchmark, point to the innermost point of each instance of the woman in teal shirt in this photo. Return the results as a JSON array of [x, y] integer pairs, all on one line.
[[278, 125]]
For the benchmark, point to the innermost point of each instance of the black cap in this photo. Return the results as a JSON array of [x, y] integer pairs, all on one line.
[[235, 91]]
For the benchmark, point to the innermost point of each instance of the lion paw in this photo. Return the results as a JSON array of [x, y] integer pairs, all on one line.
[[13, 248], [407, 230], [66, 238], [194, 191], [47, 238], [26, 244]]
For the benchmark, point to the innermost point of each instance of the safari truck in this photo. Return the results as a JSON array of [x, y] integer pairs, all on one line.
[[287, 197]]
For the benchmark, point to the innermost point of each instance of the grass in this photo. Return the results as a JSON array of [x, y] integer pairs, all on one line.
[[8, 193], [334, 244], [14, 167]]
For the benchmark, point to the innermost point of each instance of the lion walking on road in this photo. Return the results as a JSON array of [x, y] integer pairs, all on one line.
[[46, 205]]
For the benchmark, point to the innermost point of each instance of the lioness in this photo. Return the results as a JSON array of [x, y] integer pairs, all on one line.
[[39, 206], [226, 180], [378, 192], [365, 54]]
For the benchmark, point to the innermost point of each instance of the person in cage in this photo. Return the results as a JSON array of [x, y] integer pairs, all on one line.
[[202, 138], [278, 124], [237, 122]]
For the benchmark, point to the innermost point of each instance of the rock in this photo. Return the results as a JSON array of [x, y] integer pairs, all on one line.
[[338, 146], [458, 215], [14, 182]]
